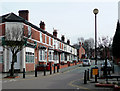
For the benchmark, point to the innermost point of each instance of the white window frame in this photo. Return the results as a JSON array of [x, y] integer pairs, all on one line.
[[29, 31], [41, 40], [43, 55], [49, 40]]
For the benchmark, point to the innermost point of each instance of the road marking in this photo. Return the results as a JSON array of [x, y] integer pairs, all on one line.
[[78, 87]]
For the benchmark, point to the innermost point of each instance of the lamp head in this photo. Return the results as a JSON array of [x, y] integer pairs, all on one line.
[[95, 11]]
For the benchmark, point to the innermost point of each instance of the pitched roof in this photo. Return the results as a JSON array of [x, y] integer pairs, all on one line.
[[11, 17]]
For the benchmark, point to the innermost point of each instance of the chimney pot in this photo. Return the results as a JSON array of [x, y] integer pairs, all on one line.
[[63, 38], [42, 25], [55, 33], [68, 42]]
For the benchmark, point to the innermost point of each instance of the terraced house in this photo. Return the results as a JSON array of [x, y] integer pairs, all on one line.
[[42, 47]]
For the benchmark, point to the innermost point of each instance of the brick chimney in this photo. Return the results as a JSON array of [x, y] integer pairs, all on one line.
[[63, 38], [68, 42], [55, 33], [24, 14], [42, 25]]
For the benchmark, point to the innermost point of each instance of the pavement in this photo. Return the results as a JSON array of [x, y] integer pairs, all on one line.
[[28, 75]]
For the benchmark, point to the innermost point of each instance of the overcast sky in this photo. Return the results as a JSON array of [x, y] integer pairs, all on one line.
[[71, 18]]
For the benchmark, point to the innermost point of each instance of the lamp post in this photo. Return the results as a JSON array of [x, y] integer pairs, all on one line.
[[95, 11]]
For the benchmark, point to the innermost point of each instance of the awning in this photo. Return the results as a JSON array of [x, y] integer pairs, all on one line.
[[41, 47]]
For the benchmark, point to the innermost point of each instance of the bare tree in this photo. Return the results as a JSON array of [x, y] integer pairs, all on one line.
[[80, 39], [105, 46], [14, 41]]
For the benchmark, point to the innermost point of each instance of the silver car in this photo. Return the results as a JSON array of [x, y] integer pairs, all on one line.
[[86, 62]]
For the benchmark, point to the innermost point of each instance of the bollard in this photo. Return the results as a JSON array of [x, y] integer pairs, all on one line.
[[50, 70], [35, 72], [57, 68], [85, 78], [95, 78], [91, 76], [23, 72], [44, 71], [113, 69], [88, 75], [54, 68]]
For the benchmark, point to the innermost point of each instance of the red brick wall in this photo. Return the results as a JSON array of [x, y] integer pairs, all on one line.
[[26, 30], [29, 66], [43, 38], [47, 39], [35, 35], [60, 45], [1, 67], [2, 27], [81, 51]]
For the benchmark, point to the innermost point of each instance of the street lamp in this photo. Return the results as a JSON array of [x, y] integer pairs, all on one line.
[[95, 11]]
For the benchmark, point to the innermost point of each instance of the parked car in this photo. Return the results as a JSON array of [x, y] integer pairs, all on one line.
[[86, 62], [109, 65]]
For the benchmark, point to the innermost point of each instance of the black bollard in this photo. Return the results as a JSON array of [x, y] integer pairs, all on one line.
[[113, 69], [91, 76], [95, 78], [85, 78], [35, 72], [23, 72], [54, 68], [57, 68], [50, 70], [88, 75], [44, 71]]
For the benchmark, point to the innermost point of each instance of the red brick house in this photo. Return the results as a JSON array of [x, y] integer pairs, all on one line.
[[42, 47], [80, 51]]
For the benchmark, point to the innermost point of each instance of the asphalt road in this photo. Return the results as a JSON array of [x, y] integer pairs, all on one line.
[[63, 80]]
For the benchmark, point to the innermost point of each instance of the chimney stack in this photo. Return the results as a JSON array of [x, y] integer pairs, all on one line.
[[24, 14], [42, 25], [55, 33], [63, 38], [68, 42]]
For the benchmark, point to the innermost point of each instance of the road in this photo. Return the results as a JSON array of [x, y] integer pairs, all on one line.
[[63, 80]]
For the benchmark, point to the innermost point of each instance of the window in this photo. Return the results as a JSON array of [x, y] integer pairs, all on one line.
[[40, 37], [62, 56], [1, 56], [29, 31], [50, 55], [29, 57], [42, 55]]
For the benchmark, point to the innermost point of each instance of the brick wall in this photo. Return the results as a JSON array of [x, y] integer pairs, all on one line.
[[35, 35], [2, 27], [29, 66]]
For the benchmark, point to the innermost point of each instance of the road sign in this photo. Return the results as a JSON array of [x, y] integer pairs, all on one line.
[[95, 71]]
